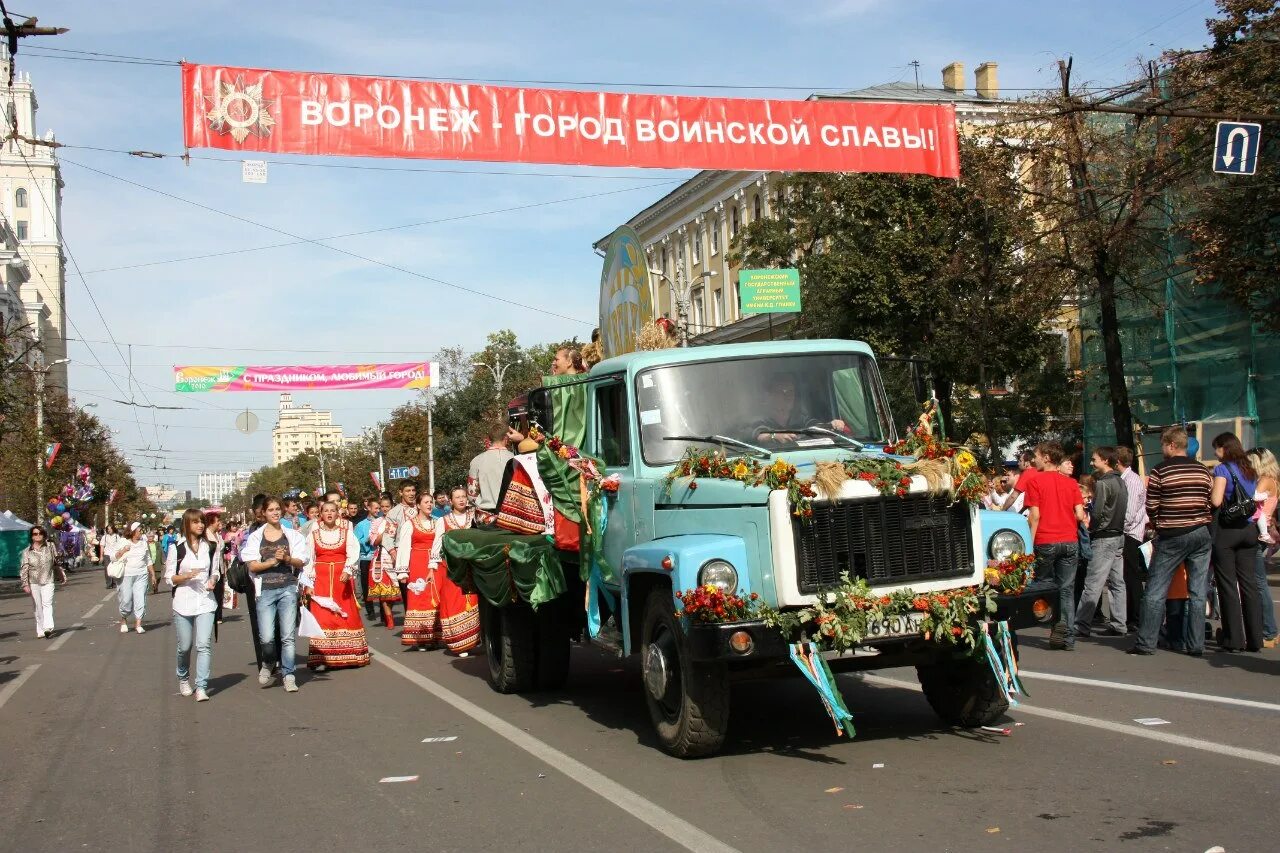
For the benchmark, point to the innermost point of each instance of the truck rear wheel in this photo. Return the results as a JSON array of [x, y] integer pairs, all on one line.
[[510, 646], [963, 693], [688, 702]]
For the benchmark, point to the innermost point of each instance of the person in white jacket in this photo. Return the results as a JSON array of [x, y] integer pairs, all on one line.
[[192, 566], [275, 556]]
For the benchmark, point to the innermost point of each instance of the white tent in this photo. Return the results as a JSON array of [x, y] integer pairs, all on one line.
[[9, 521]]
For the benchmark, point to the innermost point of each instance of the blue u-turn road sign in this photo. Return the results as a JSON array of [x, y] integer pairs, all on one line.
[[1236, 149]]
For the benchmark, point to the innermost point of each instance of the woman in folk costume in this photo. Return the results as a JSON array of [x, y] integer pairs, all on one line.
[[414, 543], [458, 611], [332, 601], [383, 585]]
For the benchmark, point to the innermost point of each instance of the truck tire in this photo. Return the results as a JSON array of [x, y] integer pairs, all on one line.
[[554, 644], [688, 702], [510, 646], [963, 693]]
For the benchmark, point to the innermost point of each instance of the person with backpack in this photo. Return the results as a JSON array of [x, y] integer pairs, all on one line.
[[193, 566]]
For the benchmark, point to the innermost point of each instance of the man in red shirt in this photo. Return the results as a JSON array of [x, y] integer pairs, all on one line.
[[1056, 507]]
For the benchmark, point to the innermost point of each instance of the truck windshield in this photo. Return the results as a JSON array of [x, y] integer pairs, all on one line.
[[775, 402]]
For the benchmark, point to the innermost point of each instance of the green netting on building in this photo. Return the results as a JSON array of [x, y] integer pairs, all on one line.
[[1189, 355]]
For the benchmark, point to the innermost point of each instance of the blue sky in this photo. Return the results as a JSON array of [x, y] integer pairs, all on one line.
[[298, 298]]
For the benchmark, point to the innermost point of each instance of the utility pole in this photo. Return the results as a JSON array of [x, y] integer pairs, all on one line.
[[382, 468], [13, 32], [431, 443], [498, 370], [324, 484]]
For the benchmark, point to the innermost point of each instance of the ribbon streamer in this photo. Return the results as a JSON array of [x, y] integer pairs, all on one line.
[[823, 680]]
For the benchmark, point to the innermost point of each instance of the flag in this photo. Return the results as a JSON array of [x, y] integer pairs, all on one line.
[[377, 481], [51, 453]]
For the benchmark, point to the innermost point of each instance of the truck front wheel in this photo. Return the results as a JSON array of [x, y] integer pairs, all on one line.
[[688, 702], [510, 646], [963, 692]]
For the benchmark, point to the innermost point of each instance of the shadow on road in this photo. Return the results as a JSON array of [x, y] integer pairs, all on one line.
[[226, 681]]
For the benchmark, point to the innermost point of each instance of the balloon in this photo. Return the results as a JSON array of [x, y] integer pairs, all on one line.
[[60, 506], [56, 520], [66, 516]]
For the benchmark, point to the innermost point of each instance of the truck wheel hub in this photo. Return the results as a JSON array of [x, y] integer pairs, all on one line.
[[656, 675]]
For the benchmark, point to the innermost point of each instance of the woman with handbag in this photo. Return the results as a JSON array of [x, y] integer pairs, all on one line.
[[1235, 546], [39, 570], [192, 567], [135, 577]]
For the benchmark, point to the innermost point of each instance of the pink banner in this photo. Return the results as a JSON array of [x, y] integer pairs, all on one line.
[[333, 377]]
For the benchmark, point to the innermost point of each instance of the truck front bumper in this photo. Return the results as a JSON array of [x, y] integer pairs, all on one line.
[[753, 641]]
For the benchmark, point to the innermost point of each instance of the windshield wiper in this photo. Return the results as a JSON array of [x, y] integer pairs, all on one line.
[[817, 430], [720, 439]]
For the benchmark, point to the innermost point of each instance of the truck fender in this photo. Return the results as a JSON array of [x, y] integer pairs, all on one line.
[[993, 521], [644, 566]]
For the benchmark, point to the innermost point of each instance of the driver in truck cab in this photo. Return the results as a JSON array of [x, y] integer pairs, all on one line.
[[785, 412]]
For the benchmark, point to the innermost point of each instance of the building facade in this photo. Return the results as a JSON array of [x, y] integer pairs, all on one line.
[[213, 486], [166, 497], [31, 201], [689, 234], [16, 317], [301, 428]]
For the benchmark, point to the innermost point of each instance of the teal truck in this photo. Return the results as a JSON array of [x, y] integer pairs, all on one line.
[[807, 402]]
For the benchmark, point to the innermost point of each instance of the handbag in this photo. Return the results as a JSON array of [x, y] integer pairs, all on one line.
[[115, 569], [1241, 507]]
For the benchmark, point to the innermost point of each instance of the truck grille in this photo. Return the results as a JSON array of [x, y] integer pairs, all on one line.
[[885, 540]]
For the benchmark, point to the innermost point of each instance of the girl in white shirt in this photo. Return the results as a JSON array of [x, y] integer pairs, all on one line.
[[194, 574], [136, 580]]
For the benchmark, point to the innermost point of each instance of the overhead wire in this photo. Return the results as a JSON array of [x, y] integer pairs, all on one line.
[[341, 251]]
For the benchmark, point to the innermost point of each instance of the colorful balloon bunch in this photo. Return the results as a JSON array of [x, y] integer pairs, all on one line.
[[66, 505]]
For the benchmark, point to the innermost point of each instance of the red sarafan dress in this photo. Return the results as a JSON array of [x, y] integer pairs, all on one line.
[[459, 611], [420, 608], [344, 643]]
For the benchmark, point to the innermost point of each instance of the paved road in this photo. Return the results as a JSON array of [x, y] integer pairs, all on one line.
[[101, 753]]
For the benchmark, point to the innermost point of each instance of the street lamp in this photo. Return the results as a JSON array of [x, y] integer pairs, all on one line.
[[499, 371], [681, 290], [40, 373], [431, 442]]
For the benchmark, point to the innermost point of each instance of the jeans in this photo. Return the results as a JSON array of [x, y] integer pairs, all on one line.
[[42, 595], [278, 604], [133, 596], [1057, 562], [1105, 569], [1264, 592], [202, 626], [1170, 552]]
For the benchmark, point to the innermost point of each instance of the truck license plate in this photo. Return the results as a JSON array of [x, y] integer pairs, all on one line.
[[899, 626]]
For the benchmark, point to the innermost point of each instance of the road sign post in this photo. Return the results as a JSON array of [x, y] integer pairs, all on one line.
[[403, 472], [1235, 150]]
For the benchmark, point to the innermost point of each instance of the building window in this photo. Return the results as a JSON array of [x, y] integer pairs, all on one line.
[[718, 317], [663, 266], [22, 230], [695, 245], [20, 197], [715, 236], [755, 208], [733, 222], [699, 312]]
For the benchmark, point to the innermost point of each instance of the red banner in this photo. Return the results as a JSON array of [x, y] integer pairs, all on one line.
[[287, 112]]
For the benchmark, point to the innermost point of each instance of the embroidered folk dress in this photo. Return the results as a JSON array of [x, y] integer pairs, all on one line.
[[382, 570], [343, 643], [420, 608], [458, 611]]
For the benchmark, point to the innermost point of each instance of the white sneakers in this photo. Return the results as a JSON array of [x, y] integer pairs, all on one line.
[[124, 629], [201, 696], [264, 676], [140, 629], [290, 684], [184, 687]]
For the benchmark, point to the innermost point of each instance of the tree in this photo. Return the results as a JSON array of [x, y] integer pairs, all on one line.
[[942, 270], [1234, 222]]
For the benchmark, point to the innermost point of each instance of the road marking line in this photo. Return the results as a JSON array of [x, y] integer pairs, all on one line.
[[66, 635], [675, 828], [1118, 728], [1157, 691], [12, 687]]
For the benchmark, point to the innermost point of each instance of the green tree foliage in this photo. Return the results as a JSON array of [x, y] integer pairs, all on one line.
[[1234, 222], [947, 271]]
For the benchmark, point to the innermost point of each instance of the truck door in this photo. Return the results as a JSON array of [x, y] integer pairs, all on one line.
[[611, 435]]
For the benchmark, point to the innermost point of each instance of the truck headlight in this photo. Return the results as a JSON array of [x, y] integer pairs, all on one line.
[[1004, 544], [720, 574]]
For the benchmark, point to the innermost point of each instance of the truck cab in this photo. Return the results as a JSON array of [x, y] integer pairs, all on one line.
[[803, 401]]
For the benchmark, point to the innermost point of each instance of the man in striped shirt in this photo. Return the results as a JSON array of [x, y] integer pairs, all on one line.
[[1178, 505]]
